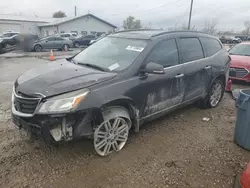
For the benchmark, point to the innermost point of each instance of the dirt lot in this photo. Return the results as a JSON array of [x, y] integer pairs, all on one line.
[[178, 150]]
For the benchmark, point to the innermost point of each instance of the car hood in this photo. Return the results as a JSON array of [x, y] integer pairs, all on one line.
[[59, 77], [240, 61]]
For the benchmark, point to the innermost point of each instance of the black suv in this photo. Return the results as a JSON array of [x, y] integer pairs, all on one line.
[[118, 83]]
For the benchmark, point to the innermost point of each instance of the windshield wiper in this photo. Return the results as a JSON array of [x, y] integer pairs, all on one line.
[[94, 66]]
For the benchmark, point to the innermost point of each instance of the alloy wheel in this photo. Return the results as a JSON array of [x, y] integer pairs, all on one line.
[[38, 48], [111, 136], [215, 94]]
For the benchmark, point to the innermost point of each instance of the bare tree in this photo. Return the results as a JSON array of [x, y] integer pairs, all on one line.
[[131, 23], [59, 14], [247, 28], [210, 27]]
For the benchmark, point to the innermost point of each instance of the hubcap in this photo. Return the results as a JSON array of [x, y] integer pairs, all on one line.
[[111, 136], [77, 45], [216, 94]]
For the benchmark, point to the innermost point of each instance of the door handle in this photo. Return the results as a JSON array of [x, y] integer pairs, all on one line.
[[179, 75], [207, 67]]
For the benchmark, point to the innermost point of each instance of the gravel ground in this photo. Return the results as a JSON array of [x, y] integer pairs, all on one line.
[[177, 150]]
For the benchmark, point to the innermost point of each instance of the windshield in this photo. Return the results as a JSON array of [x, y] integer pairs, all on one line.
[[114, 54], [240, 49]]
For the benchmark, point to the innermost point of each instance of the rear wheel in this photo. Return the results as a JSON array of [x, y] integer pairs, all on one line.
[[76, 44], [112, 135], [65, 47], [214, 96]]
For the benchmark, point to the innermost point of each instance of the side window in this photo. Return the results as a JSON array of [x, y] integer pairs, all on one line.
[[211, 46], [191, 49], [51, 38], [165, 53], [58, 38]]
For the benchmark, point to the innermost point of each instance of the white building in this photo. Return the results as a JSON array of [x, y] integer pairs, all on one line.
[[21, 23], [82, 25], [85, 24]]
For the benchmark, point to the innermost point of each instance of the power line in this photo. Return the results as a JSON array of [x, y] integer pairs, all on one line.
[[160, 6]]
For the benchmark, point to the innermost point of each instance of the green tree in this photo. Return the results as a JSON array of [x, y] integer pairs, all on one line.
[[131, 23], [59, 14]]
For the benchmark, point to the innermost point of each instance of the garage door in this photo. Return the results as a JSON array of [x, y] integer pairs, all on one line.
[[13, 27]]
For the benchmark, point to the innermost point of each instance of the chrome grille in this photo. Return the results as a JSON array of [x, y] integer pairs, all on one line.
[[240, 72], [24, 104], [27, 106]]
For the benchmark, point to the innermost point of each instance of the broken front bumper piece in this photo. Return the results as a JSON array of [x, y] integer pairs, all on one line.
[[57, 127]]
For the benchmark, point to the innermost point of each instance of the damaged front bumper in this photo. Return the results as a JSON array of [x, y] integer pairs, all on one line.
[[59, 127]]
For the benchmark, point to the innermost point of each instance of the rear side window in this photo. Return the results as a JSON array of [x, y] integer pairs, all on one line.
[[165, 53], [211, 46], [191, 49]]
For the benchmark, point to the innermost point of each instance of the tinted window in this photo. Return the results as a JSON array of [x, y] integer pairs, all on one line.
[[211, 46], [51, 39], [164, 53], [58, 38], [190, 49]]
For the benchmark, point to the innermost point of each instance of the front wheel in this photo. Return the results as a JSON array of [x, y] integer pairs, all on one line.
[[214, 96], [38, 48], [111, 136]]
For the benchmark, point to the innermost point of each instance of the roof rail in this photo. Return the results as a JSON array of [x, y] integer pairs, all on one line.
[[128, 30], [165, 32]]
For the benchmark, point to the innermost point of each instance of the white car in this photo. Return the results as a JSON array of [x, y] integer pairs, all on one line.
[[70, 36]]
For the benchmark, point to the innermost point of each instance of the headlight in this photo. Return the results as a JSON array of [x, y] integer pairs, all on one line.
[[63, 103]]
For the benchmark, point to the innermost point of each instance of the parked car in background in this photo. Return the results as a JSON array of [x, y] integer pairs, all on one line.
[[83, 40], [71, 36], [52, 42], [8, 40], [95, 40], [230, 40], [240, 61], [118, 84]]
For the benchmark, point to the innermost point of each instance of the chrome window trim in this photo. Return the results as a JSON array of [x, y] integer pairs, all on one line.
[[186, 63]]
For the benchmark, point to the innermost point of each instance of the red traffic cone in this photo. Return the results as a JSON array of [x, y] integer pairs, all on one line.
[[245, 177], [228, 86]]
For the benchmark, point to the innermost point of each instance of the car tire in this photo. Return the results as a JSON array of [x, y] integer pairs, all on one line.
[[112, 134], [65, 46], [214, 96], [38, 48], [76, 44]]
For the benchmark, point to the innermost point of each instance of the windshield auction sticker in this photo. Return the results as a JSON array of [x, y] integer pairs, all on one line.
[[114, 66], [134, 48]]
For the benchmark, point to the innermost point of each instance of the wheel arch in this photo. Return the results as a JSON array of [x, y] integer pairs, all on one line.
[[126, 108], [221, 77]]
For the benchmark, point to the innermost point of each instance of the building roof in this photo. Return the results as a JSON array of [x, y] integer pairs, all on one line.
[[59, 21], [11, 17]]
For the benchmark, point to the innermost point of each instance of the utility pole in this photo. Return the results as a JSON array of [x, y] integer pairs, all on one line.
[[190, 15], [75, 10]]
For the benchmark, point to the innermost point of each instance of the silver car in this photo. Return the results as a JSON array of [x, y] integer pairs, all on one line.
[[52, 42]]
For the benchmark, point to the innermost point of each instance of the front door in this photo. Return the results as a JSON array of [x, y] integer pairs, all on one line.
[[197, 71], [163, 91]]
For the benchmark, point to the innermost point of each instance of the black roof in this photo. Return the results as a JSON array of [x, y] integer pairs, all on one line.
[[150, 33]]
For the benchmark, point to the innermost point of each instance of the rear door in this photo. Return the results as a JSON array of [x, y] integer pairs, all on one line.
[[197, 69], [58, 44]]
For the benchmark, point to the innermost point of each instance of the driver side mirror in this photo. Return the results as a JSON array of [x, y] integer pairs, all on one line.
[[154, 68]]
